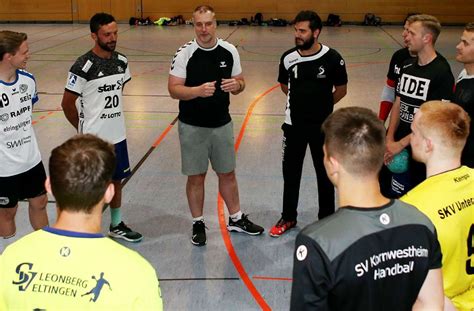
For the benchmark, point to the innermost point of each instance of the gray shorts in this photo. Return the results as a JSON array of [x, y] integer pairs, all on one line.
[[201, 144]]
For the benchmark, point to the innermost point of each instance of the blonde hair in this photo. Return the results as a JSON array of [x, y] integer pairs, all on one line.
[[429, 22]]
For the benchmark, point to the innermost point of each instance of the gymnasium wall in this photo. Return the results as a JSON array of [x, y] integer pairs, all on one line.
[[448, 11]]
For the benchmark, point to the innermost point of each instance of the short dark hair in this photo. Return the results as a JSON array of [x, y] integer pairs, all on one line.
[[469, 27], [10, 42], [310, 16], [80, 171], [356, 137], [99, 20]]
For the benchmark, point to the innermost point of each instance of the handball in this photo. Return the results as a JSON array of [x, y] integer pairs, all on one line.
[[399, 163]]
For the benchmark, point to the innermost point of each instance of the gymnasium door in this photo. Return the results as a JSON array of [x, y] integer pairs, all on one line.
[[122, 10]]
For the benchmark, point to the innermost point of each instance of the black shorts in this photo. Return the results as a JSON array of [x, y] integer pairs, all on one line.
[[122, 168], [26, 185]]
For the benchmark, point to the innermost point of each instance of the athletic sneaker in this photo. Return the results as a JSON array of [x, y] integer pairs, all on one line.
[[199, 233], [244, 225], [281, 227], [121, 231]]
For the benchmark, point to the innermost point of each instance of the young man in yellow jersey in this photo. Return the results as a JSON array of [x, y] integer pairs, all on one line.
[[71, 265], [446, 196]]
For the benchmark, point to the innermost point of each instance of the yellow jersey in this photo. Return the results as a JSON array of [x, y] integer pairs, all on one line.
[[53, 269], [448, 200]]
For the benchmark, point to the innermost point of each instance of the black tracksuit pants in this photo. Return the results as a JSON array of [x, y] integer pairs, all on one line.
[[295, 142]]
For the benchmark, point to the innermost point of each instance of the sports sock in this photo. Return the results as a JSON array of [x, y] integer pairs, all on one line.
[[236, 217], [116, 216], [200, 218]]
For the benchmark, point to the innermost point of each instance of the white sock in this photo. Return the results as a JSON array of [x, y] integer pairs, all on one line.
[[200, 218], [236, 217]]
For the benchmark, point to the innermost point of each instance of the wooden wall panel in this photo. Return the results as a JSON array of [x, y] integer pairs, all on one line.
[[448, 11], [122, 10], [35, 10], [87, 8], [66, 10]]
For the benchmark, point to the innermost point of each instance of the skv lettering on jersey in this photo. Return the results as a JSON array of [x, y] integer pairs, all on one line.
[[414, 87]]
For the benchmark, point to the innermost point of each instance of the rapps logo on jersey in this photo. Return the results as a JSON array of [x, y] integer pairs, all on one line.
[[72, 80], [414, 87], [223, 65]]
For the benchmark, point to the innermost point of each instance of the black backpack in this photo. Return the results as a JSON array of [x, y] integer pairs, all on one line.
[[369, 19], [258, 19], [334, 20]]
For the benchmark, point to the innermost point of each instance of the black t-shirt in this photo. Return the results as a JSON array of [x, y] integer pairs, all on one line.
[[419, 84], [396, 63], [199, 65], [364, 259], [464, 96], [310, 81]]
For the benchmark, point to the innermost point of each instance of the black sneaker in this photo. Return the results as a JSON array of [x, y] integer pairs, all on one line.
[[199, 233], [121, 231], [244, 225]]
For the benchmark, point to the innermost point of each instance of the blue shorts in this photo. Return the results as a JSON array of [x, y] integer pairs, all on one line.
[[122, 168], [26, 185]]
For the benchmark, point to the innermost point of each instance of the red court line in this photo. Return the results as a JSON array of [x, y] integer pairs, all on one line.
[[268, 278], [43, 117], [222, 222]]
